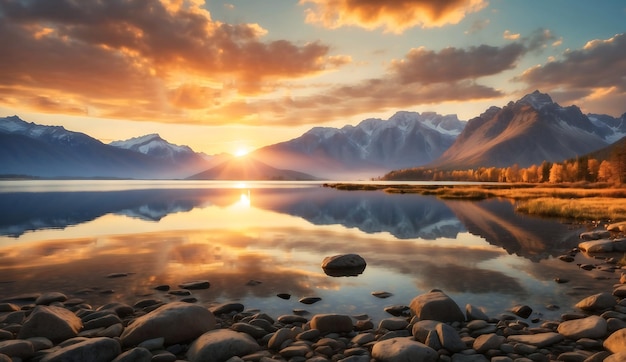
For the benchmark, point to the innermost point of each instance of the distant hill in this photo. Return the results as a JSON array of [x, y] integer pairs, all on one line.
[[187, 161], [527, 132], [247, 168], [373, 146], [54, 152]]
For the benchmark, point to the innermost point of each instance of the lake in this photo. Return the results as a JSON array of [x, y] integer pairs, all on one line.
[[254, 240]]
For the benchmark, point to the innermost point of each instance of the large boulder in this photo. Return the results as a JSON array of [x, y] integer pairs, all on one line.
[[540, 339], [176, 322], [344, 265], [55, 323], [220, 345], [17, 348], [403, 350], [101, 349], [335, 323], [436, 305], [591, 327], [616, 342], [597, 302], [597, 246]]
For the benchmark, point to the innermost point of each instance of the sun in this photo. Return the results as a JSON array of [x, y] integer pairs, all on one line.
[[241, 152]]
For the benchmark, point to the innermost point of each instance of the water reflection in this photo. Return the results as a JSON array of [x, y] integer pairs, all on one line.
[[403, 216], [279, 236]]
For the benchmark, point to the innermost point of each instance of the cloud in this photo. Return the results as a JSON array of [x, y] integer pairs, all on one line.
[[393, 16], [422, 77], [596, 68], [511, 36], [131, 57], [477, 26], [454, 64]]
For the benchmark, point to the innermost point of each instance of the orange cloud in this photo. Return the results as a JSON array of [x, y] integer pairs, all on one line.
[[128, 57], [393, 16]]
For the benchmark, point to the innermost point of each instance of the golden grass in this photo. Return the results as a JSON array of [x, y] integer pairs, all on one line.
[[571, 201]]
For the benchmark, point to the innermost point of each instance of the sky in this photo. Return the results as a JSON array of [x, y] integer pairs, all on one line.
[[227, 76]]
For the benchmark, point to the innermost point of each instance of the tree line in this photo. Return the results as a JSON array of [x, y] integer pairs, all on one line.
[[580, 169]]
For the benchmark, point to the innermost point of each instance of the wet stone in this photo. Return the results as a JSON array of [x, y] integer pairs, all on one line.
[[309, 300], [196, 284]]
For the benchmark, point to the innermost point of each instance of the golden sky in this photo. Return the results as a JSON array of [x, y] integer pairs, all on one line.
[[220, 76]]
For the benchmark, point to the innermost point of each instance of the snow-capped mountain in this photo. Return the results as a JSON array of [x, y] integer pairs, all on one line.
[[154, 145], [52, 151], [373, 146], [527, 132]]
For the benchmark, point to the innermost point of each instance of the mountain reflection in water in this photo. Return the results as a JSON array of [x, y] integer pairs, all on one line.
[[478, 252]]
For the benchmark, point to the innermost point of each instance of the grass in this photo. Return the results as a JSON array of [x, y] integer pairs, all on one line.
[[570, 201]]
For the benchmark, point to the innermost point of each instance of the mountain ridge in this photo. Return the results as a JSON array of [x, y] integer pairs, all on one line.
[[529, 131]]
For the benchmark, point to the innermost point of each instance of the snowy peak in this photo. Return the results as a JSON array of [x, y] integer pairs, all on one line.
[[537, 100], [153, 145], [50, 134]]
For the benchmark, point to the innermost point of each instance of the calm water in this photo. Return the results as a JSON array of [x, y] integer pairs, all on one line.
[[254, 240]]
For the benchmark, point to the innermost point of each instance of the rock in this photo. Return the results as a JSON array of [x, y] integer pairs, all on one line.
[[597, 246], [40, 343], [381, 294], [459, 357], [104, 321], [475, 313], [449, 338], [566, 258], [100, 349], [292, 319], [332, 323], [280, 337], [285, 296], [523, 311], [228, 308], [539, 340], [17, 348], [252, 331], [116, 275], [344, 265], [294, 351], [485, 342], [220, 345], [421, 329], [620, 292], [393, 324], [436, 305], [137, 354], [48, 298], [595, 235], [8, 307], [196, 284], [55, 323], [162, 287], [590, 327], [176, 322], [617, 357], [398, 310], [403, 350], [309, 300], [616, 342], [617, 227], [597, 302]]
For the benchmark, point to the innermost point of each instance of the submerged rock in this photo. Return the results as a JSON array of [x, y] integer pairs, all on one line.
[[344, 265]]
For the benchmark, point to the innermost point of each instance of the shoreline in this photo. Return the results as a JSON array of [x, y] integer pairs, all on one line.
[[114, 331]]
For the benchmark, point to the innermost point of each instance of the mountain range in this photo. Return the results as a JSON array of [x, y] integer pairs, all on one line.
[[525, 132], [529, 131], [373, 146]]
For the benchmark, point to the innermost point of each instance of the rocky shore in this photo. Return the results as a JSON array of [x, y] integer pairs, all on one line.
[[51, 327]]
